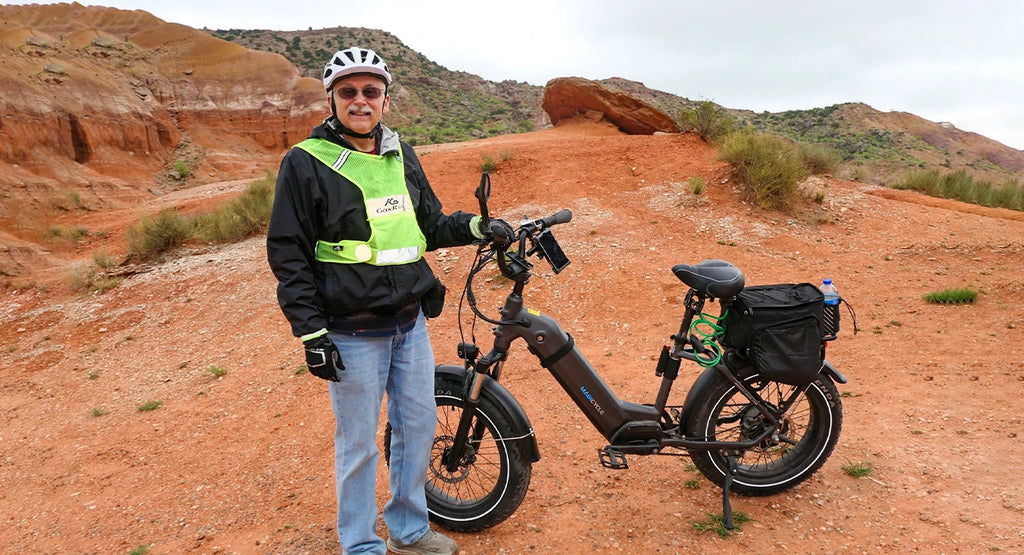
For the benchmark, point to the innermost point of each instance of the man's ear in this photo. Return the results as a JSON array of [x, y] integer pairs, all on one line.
[[387, 104]]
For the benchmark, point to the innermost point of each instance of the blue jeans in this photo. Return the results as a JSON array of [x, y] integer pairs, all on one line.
[[403, 366]]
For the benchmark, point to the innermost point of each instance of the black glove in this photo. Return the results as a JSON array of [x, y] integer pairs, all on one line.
[[322, 358], [501, 229]]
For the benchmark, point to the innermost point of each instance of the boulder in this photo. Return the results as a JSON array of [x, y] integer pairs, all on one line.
[[572, 97]]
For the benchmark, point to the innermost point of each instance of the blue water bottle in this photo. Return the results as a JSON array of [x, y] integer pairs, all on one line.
[[831, 312]]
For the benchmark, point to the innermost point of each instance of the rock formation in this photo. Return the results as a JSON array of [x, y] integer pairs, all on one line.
[[95, 99], [569, 97]]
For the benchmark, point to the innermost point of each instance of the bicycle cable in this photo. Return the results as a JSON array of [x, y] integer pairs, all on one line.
[[708, 333]]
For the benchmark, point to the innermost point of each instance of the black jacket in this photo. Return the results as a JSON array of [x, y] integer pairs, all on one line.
[[314, 202]]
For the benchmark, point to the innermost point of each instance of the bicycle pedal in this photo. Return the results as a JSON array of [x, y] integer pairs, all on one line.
[[611, 458]]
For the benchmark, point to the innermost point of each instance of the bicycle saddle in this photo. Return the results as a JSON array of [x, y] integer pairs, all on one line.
[[713, 278]]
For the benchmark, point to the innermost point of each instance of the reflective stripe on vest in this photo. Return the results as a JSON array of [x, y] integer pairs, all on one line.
[[395, 235]]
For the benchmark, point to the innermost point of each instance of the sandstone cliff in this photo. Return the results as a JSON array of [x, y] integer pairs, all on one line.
[[97, 100]]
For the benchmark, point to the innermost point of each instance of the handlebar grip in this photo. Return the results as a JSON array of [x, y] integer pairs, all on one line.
[[498, 231], [561, 217]]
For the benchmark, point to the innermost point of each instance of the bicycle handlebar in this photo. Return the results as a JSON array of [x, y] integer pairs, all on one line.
[[563, 216]]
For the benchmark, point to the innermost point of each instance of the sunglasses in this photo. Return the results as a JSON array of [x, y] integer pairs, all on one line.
[[369, 93]]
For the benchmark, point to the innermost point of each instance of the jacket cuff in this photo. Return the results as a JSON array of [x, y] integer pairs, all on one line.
[[474, 227], [314, 335]]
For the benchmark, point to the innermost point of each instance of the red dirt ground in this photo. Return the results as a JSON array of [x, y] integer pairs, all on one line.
[[242, 463]]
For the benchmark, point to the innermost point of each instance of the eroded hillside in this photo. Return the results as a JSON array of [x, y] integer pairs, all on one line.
[[233, 454]]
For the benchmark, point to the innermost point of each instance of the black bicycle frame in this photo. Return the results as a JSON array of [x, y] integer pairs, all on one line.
[[629, 427]]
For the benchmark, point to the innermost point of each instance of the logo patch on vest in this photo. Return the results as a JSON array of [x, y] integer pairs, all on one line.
[[388, 205]]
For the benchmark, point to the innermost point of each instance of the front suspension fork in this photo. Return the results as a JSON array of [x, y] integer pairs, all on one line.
[[470, 431]]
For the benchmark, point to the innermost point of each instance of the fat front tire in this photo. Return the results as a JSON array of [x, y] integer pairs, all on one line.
[[493, 476], [810, 431]]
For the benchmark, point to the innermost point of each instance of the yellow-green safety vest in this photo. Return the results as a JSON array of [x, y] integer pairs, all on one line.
[[395, 236]]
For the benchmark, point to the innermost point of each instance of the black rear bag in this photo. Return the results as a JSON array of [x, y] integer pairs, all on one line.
[[780, 328]]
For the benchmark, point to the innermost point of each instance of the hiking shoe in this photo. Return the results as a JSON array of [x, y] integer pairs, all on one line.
[[432, 543]]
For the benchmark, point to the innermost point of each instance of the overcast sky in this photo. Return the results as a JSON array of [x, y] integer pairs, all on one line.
[[960, 61]]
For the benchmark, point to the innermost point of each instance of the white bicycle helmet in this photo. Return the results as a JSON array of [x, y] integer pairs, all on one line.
[[354, 60]]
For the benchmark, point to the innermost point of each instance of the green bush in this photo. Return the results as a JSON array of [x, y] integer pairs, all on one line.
[[243, 216], [960, 186], [182, 168], [246, 215], [820, 159], [488, 163], [86, 278], [770, 168], [155, 235], [952, 296], [709, 120], [696, 184]]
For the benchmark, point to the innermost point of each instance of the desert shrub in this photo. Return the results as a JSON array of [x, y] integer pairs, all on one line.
[[709, 120], [182, 168], [245, 215], [155, 235], [488, 163], [87, 278], [769, 167], [952, 296], [696, 184], [960, 186], [820, 159]]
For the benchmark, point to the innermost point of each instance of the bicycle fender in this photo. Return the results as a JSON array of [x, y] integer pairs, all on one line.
[[833, 373], [698, 390], [495, 392]]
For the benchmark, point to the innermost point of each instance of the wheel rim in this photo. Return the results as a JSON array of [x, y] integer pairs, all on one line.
[[804, 434], [471, 487]]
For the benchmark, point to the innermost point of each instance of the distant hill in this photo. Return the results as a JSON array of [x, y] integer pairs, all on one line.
[[432, 104]]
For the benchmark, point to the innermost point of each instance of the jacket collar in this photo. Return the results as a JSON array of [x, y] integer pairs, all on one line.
[[387, 143]]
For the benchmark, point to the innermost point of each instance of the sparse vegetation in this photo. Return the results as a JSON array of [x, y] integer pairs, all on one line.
[[488, 162], [241, 217], [216, 371], [709, 120], [72, 235], [696, 184], [149, 406], [182, 169], [244, 216], [438, 105], [960, 186], [715, 523], [952, 296], [857, 469], [769, 167], [820, 159], [155, 235], [90, 278]]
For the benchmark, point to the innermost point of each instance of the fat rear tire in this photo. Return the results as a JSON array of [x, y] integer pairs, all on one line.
[[811, 427]]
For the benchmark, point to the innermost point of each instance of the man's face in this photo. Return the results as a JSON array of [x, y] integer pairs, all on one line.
[[360, 113]]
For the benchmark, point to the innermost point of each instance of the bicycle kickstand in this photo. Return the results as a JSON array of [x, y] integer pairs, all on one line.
[[726, 505]]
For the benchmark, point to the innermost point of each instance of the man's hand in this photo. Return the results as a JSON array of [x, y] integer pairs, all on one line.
[[501, 230], [322, 358]]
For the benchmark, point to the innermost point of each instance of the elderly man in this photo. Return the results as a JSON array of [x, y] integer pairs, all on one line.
[[352, 217]]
